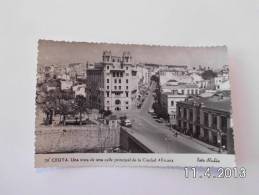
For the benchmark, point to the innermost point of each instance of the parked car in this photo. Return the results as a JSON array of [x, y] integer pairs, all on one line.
[[160, 120], [155, 116], [151, 111], [126, 123]]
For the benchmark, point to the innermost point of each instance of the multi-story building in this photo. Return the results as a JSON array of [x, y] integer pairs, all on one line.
[[173, 92], [112, 84], [77, 70], [142, 73], [207, 119]]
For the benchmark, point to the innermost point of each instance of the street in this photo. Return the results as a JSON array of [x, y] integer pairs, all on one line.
[[157, 136]]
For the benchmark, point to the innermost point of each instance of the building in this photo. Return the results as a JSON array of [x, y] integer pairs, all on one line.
[[49, 72], [208, 120], [77, 70], [174, 72], [66, 84], [79, 90], [224, 85], [112, 84], [220, 82], [52, 85], [143, 74], [173, 92], [204, 84]]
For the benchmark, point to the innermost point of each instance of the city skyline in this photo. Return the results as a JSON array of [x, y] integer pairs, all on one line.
[[63, 53]]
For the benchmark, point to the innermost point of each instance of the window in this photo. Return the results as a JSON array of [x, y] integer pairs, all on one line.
[[108, 108], [107, 93], [113, 74], [108, 87], [115, 80], [127, 94], [127, 87], [191, 115], [108, 67], [126, 102], [182, 91], [119, 87], [178, 111], [119, 80], [127, 67], [108, 102], [127, 107], [224, 123], [127, 81], [206, 119], [172, 103], [108, 81], [127, 74], [115, 87], [184, 113], [214, 121], [117, 102]]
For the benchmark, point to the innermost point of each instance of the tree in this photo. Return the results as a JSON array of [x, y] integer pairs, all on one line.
[[64, 109], [80, 106], [208, 74], [49, 107], [107, 113]]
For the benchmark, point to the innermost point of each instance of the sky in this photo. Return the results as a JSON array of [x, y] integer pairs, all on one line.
[[64, 53]]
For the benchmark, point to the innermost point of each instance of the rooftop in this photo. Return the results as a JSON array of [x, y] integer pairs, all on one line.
[[179, 85], [219, 101]]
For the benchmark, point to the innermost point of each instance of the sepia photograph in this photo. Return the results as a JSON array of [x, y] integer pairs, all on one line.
[[119, 98], [129, 97]]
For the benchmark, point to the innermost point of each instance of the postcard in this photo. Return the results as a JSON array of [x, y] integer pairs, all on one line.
[[104, 104]]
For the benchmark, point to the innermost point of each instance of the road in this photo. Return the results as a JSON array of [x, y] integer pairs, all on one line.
[[157, 136]]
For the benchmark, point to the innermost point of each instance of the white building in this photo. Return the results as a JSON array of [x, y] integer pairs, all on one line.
[[79, 90], [167, 74], [66, 85], [225, 85], [142, 73], [112, 84], [221, 82], [173, 92]]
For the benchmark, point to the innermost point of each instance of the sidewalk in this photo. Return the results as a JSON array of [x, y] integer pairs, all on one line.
[[192, 140]]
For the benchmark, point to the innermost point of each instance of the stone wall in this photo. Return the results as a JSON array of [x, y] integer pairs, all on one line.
[[88, 138]]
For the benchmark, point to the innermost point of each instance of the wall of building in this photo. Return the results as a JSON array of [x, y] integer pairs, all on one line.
[[94, 88], [208, 125]]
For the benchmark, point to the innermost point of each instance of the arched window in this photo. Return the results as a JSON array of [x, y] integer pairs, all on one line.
[[117, 102]]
